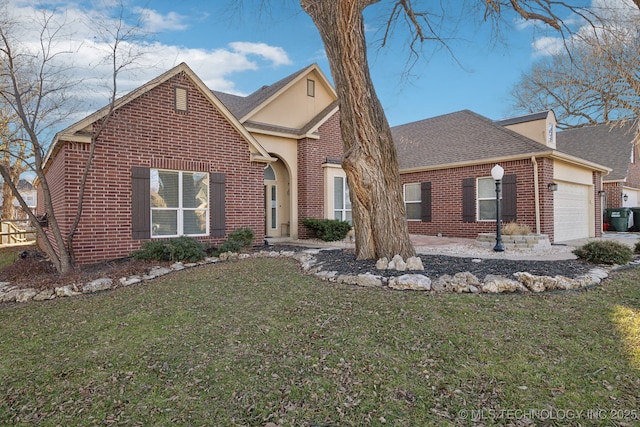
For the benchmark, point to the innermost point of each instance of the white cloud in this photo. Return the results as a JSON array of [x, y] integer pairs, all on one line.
[[621, 14], [155, 22], [274, 54], [85, 54]]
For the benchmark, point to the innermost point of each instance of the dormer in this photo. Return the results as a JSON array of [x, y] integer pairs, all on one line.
[[540, 127]]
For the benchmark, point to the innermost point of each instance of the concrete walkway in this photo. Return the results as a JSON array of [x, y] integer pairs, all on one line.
[[461, 247]]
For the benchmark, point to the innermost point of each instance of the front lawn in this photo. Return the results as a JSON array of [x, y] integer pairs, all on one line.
[[256, 343]]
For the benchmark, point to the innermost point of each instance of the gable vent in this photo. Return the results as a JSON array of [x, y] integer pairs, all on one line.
[[181, 99]]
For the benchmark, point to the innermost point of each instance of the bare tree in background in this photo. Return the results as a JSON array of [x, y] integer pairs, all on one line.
[[370, 159], [36, 83], [14, 152], [596, 80]]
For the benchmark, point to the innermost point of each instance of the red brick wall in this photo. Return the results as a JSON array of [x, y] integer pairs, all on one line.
[[149, 132], [446, 200], [312, 154], [614, 194]]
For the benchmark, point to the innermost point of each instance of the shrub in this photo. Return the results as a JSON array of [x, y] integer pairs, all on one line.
[[637, 248], [328, 230], [184, 249], [513, 228], [605, 252], [244, 236], [238, 239], [153, 250]]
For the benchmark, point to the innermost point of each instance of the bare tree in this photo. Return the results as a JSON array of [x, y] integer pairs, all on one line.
[[36, 83], [14, 153], [596, 80]]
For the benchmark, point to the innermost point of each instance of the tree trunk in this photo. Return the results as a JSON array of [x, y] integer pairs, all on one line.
[[370, 160]]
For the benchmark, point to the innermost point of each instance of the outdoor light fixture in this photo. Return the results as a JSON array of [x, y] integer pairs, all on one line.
[[625, 197], [552, 186], [497, 172], [601, 193]]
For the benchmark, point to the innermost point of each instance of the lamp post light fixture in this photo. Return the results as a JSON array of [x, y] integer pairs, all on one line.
[[497, 172]]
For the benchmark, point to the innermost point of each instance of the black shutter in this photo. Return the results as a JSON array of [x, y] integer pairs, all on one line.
[[425, 207], [468, 200], [140, 203], [217, 204], [509, 198]]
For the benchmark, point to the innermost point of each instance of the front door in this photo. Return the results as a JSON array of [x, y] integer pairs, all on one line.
[[271, 210]]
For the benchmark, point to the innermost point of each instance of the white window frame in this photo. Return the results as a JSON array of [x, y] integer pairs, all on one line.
[[412, 202], [479, 199], [180, 209], [342, 212]]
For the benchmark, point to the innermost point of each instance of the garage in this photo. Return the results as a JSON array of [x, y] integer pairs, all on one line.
[[571, 203]]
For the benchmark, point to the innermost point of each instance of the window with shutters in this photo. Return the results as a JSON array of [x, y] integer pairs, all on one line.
[[179, 203], [413, 201], [486, 200]]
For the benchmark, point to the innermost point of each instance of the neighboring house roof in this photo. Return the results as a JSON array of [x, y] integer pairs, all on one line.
[[609, 145], [78, 131], [464, 138]]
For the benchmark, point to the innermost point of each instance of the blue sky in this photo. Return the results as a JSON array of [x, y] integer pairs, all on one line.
[[238, 50]]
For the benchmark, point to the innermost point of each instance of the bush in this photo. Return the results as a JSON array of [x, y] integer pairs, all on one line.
[[183, 249], [328, 230], [637, 248], [238, 239], [514, 228], [605, 252], [243, 236]]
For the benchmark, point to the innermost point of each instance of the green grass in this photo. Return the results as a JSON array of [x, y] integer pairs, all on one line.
[[255, 342]]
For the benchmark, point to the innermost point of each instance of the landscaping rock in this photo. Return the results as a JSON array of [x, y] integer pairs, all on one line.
[[97, 285], [416, 282], [67, 291], [128, 281], [414, 263], [495, 284], [382, 263], [156, 272], [25, 295], [45, 295], [397, 263]]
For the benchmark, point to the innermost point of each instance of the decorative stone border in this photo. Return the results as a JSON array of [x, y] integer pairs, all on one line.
[[463, 282], [534, 242]]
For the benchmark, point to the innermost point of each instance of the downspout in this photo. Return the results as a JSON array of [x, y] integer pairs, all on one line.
[[535, 192]]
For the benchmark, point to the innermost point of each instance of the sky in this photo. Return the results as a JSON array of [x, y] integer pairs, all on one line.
[[238, 49]]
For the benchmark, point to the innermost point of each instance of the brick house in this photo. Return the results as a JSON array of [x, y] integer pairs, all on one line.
[[445, 166], [180, 159], [177, 160], [613, 146]]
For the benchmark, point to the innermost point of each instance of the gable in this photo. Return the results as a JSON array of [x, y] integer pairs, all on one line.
[[293, 107], [81, 131]]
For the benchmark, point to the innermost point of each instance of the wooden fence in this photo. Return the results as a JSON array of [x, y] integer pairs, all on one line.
[[16, 232]]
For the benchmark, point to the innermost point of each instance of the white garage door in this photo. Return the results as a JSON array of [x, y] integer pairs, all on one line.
[[571, 212]]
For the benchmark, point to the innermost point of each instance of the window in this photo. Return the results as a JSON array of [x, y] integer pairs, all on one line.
[[179, 203], [341, 200], [311, 88], [413, 201], [486, 199]]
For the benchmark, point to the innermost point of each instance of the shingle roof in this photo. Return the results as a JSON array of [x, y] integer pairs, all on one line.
[[458, 137], [604, 144], [240, 106]]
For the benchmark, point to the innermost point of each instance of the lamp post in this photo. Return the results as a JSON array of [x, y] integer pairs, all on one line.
[[497, 172]]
